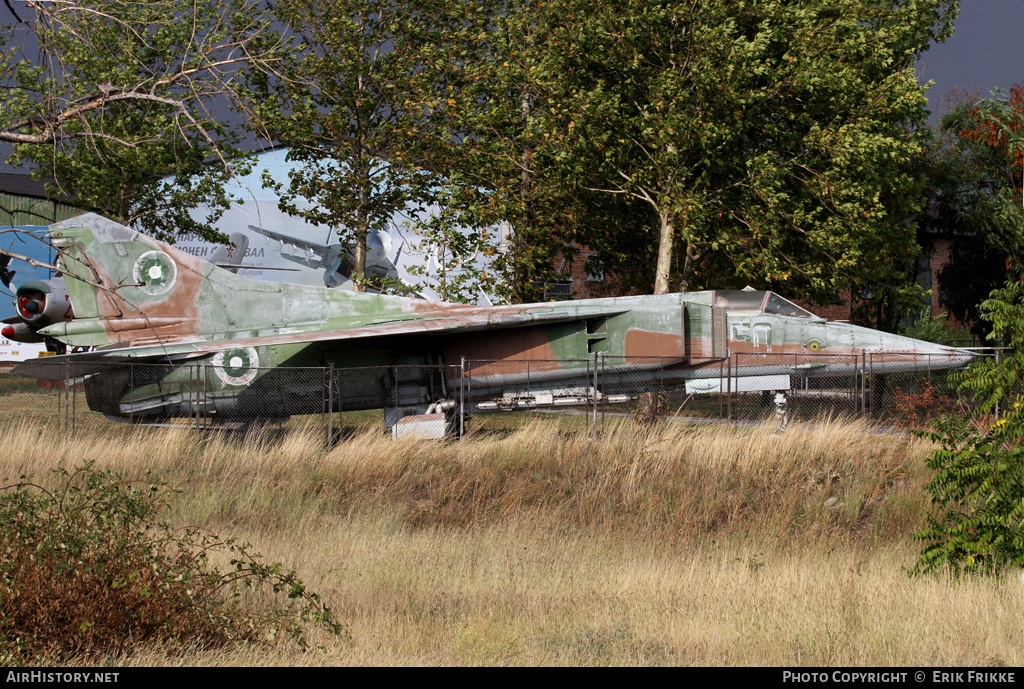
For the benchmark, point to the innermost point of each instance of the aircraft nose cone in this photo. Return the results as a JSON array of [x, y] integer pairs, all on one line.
[[950, 357], [964, 356], [7, 332]]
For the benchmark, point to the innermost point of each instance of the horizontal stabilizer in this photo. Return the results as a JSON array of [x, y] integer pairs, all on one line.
[[65, 366]]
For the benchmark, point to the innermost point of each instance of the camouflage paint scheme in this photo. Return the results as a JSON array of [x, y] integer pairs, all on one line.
[[136, 299], [39, 303]]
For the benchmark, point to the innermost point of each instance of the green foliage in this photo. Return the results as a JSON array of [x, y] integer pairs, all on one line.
[[766, 143], [112, 102], [978, 488], [771, 142], [492, 107], [763, 143], [935, 329], [87, 569], [973, 177], [457, 253], [344, 95]]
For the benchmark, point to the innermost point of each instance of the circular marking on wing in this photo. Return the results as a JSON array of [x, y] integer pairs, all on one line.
[[155, 272], [236, 366]]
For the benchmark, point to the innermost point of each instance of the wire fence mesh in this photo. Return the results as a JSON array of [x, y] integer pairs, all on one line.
[[591, 395]]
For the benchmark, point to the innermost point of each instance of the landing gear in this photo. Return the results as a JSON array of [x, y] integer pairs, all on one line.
[[55, 346], [781, 411]]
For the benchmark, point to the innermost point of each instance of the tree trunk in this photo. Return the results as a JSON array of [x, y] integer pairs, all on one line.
[[663, 270], [362, 227], [647, 402], [523, 271], [692, 256]]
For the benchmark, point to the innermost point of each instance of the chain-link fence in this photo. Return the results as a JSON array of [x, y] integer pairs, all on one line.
[[897, 388], [590, 395]]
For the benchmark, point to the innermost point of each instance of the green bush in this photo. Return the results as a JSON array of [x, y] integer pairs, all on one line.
[[87, 569], [935, 329], [978, 487]]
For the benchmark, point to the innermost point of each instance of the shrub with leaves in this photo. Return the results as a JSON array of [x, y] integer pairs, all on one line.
[[978, 487], [935, 329], [87, 569]]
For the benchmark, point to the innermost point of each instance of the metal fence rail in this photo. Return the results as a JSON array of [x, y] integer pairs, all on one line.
[[451, 400]]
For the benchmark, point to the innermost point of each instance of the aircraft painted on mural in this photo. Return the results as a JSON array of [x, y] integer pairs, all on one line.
[[215, 339]]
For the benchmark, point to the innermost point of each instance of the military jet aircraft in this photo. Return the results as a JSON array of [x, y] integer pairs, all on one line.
[[335, 259], [136, 299]]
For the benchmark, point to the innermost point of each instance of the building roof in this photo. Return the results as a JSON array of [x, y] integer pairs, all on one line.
[[21, 185]]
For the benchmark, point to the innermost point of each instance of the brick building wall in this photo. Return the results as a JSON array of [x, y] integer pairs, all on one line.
[[928, 279], [582, 285], [938, 259]]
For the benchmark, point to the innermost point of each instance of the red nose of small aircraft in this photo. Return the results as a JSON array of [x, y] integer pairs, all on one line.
[[7, 332]]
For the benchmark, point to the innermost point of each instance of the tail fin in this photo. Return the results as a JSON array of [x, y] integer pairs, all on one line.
[[129, 289], [229, 257]]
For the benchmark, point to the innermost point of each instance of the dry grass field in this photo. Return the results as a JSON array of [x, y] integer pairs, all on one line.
[[677, 545]]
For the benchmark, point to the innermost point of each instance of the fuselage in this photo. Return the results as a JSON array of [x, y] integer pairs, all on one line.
[[208, 339], [666, 338]]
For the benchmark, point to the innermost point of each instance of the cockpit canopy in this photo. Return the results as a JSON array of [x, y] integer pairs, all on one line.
[[754, 300]]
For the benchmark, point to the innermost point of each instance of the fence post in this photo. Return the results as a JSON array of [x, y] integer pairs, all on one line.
[[594, 434], [468, 374], [728, 385], [330, 405], [197, 397], [721, 375], [206, 395], [863, 383], [67, 400], [462, 398], [997, 403], [853, 384], [871, 375], [200, 413]]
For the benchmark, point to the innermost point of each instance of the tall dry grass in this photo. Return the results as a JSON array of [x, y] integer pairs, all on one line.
[[677, 545]]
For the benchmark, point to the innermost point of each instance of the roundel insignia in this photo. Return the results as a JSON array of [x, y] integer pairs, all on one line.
[[155, 272], [236, 366]]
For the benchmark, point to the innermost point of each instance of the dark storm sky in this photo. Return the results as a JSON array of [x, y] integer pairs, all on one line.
[[985, 51]]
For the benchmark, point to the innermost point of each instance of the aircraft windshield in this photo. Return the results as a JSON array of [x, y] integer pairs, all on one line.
[[754, 300], [739, 300], [782, 307]]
